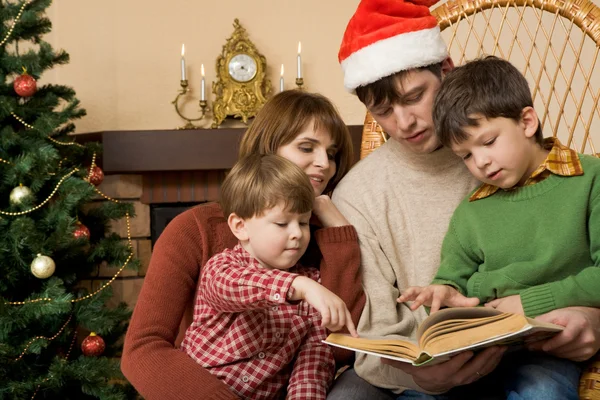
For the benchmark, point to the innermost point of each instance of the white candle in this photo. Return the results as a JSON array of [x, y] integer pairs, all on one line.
[[183, 62], [281, 80], [202, 83], [299, 60]]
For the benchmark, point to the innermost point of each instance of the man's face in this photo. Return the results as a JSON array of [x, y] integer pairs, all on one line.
[[409, 118]]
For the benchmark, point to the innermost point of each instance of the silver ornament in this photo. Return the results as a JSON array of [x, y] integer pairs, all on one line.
[[19, 193], [42, 267]]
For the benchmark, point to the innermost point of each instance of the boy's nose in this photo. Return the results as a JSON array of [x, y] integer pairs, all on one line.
[[295, 231], [481, 161]]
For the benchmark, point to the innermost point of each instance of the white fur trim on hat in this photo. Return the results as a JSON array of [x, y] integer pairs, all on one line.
[[388, 56]]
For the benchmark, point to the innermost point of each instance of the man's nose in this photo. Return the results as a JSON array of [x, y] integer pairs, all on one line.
[[405, 118]]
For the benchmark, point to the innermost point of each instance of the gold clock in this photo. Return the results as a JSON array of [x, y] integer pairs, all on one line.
[[242, 87]]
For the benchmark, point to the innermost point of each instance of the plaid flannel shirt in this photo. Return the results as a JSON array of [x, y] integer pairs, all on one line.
[[246, 333]]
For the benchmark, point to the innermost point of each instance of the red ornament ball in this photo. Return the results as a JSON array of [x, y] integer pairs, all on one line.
[[96, 175], [93, 345], [81, 231], [25, 85]]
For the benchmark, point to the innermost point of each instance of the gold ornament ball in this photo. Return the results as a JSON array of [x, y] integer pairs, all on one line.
[[42, 267], [19, 193]]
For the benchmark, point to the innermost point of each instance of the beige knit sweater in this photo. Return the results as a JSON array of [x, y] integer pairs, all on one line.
[[400, 204]]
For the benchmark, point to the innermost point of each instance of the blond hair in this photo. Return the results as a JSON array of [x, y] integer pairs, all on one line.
[[258, 183], [286, 115]]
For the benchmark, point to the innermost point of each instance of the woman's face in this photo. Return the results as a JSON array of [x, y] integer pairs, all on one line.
[[314, 151]]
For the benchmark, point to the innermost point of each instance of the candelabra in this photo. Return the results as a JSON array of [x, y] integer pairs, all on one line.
[[299, 83], [203, 108]]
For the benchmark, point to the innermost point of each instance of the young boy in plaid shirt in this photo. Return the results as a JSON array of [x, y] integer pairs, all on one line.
[[260, 317], [528, 239]]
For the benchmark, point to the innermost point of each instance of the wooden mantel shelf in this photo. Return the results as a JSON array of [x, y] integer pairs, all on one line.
[[175, 150]]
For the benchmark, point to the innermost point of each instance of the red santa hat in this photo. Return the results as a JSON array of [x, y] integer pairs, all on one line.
[[387, 36]]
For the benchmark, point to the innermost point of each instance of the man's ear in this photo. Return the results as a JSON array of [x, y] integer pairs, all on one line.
[[237, 226], [447, 66], [530, 121]]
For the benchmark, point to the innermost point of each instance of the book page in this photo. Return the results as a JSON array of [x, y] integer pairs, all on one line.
[[447, 327], [509, 331], [456, 313], [378, 354], [398, 347]]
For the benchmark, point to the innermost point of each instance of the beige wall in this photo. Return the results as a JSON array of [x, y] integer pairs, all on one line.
[[125, 54]]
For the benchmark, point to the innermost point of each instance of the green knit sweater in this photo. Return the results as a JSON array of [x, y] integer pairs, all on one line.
[[540, 241]]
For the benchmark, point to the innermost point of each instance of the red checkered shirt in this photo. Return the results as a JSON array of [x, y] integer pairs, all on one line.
[[246, 333]]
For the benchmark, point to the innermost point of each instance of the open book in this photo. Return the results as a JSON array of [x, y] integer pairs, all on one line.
[[451, 331]]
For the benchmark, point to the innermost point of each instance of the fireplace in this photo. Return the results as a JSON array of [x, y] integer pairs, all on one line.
[[162, 214]]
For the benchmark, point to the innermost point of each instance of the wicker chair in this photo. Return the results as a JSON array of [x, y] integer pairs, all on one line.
[[555, 43]]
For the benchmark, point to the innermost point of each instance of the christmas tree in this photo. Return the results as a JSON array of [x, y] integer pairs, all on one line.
[[58, 340]]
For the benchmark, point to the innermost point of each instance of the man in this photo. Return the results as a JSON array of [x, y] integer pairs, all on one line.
[[401, 197]]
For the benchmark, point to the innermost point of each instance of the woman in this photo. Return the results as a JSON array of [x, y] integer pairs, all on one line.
[[302, 127]]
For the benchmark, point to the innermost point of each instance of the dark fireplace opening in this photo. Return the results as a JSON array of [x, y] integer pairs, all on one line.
[[162, 214]]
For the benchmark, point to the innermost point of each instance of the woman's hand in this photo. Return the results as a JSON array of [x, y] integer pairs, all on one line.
[[581, 338], [462, 369], [328, 213]]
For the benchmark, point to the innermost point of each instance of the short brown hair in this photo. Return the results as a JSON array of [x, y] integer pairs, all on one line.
[[385, 90], [488, 87], [258, 182], [286, 115]]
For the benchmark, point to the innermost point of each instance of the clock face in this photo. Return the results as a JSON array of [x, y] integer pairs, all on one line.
[[242, 68]]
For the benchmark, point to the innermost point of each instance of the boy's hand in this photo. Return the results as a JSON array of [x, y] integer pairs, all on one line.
[[333, 310], [435, 296]]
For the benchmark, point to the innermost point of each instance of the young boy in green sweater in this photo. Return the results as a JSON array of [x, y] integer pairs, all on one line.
[[528, 239]]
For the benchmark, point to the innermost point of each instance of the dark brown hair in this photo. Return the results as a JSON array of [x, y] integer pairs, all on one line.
[[286, 115], [257, 183], [488, 87], [385, 90]]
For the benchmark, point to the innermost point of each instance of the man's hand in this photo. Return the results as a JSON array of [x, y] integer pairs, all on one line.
[[333, 310], [511, 304], [462, 369], [328, 213], [581, 338], [435, 296]]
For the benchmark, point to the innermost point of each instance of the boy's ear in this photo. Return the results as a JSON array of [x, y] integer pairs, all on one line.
[[530, 121], [237, 226], [447, 66]]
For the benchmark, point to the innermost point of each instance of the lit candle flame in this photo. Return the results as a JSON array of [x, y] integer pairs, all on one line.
[[281, 69], [299, 47], [182, 50], [202, 69]]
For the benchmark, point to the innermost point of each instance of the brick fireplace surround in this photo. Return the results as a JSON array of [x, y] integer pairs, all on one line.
[[162, 172]]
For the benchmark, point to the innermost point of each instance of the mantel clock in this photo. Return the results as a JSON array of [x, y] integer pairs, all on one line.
[[241, 88]]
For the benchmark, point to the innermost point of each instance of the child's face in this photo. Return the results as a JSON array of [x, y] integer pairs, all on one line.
[[278, 238], [500, 151]]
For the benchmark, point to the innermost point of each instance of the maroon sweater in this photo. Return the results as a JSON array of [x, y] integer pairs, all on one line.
[[151, 360]]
